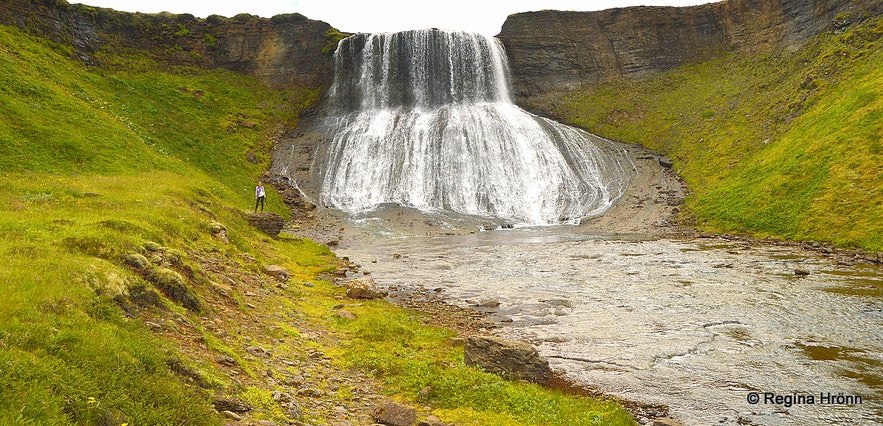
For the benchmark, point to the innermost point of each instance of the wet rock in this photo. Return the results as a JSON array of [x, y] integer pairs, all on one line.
[[508, 358], [278, 272], [364, 288], [395, 414], [560, 303], [666, 421], [488, 303], [665, 162]]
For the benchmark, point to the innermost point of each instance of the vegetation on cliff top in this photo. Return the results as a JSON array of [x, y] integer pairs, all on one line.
[[784, 144], [121, 293]]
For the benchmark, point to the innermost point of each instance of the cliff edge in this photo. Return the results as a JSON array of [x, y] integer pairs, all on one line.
[[283, 52], [581, 49]]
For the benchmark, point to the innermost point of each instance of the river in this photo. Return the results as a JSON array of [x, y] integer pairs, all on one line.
[[700, 325]]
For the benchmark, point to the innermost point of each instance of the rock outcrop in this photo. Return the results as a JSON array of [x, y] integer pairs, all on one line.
[[556, 51], [364, 288], [283, 52], [268, 222], [508, 358]]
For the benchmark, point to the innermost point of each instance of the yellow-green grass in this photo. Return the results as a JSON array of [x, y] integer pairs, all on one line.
[[407, 356], [97, 162], [784, 144], [69, 353]]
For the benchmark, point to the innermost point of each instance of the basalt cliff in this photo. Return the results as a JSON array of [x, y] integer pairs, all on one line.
[[556, 51], [549, 51], [282, 52]]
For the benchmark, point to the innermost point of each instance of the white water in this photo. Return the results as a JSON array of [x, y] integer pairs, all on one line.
[[424, 119]]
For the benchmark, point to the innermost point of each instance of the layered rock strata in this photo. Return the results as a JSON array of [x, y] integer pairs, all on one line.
[[558, 51]]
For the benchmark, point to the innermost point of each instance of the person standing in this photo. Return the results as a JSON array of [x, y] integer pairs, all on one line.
[[259, 196]]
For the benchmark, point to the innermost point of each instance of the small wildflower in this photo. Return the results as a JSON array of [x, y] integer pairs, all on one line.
[[91, 400]]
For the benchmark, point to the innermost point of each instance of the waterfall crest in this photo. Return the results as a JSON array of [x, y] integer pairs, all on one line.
[[424, 119]]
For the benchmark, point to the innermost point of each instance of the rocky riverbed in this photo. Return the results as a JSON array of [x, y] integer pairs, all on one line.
[[633, 306]]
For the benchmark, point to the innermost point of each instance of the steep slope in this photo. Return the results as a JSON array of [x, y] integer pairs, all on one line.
[[136, 292], [786, 144], [286, 51]]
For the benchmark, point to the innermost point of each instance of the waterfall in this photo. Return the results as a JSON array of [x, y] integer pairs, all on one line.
[[425, 119]]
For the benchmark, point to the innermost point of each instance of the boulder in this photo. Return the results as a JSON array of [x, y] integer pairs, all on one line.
[[136, 260], [347, 315], [508, 358], [278, 272], [395, 414], [364, 288], [219, 231], [173, 285]]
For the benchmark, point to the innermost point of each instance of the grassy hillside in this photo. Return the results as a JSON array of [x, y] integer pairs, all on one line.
[[121, 295], [788, 144]]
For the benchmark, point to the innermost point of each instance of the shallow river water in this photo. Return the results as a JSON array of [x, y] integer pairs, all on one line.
[[701, 325]]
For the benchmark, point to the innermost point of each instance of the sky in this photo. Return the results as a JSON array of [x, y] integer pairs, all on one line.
[[373, 16]]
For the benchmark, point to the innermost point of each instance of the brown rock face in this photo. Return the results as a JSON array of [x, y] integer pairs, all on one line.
[[508, 358], [283, 52], [269, 223], [554, 51]]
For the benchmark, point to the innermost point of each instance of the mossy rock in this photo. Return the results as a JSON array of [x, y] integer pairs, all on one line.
[[143, 296], [152, 247], [174, 257], [136, 260], [174, 286]]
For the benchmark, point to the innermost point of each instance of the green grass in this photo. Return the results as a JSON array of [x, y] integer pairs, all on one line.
[[407, 356], [97, 164], [94, 163], [785, 144]]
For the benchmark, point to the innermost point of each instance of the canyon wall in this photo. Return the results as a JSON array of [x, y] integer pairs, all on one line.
[[549, 51], [283, 51], [558, 51]]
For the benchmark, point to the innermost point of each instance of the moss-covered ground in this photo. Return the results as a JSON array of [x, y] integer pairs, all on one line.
[[100, 165], [782, 144]]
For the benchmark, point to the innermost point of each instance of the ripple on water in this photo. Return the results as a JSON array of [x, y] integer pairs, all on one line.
[[662, 322]]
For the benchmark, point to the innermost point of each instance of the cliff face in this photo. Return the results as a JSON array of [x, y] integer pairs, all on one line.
[[554, 51], [283, 51]]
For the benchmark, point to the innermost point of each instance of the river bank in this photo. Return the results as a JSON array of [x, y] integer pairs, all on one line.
[[620, 283]]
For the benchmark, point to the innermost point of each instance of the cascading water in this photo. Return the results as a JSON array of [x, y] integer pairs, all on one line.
[[424, 119]]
